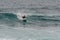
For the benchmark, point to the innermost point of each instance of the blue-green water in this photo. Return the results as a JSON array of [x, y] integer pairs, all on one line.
[[42, 20]]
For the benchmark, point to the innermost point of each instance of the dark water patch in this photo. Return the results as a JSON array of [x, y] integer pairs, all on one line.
[[9, 16]]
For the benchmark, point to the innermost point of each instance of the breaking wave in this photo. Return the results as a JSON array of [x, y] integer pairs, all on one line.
[[12, 19]]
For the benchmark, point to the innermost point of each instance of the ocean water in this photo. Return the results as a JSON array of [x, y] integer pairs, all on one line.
[[42, 20]]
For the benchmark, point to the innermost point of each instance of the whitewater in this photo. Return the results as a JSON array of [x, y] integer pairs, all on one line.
[[43, 20]]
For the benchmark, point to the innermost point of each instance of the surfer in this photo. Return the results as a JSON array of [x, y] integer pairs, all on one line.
[[24, 18]]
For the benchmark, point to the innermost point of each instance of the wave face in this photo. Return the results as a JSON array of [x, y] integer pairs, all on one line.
[[11, 19]]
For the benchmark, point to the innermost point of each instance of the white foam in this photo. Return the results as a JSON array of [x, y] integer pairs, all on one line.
[[20, 14]]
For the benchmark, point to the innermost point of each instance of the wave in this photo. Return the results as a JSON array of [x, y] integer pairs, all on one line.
[[42, 7], [8, 18], [13, 17], [45, 18]]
